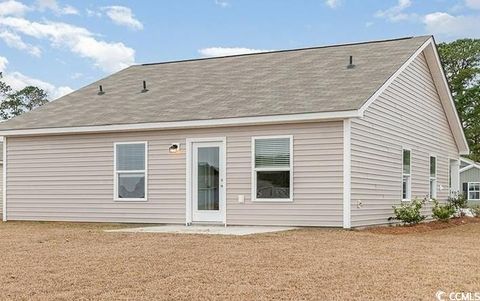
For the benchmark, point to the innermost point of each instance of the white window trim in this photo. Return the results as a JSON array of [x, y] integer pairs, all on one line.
[[430, 178], [116, 172], [254, 170], [468, 191], [409, 191]]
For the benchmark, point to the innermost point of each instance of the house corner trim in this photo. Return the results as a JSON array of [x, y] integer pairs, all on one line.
[[347, 167], [4, 188]]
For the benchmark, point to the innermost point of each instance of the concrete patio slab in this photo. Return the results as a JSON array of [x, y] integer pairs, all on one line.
[[205, 229]]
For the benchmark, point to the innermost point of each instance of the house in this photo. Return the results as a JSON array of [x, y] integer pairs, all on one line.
[[470, 180], [323, 136]]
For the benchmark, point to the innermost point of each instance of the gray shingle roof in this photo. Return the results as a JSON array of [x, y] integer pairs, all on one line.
[[273, 83]]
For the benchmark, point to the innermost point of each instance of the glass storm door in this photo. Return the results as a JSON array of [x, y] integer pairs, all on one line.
[[207, 182]]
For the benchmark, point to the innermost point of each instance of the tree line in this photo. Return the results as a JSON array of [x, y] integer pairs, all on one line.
[[16, 102], [461, 62]]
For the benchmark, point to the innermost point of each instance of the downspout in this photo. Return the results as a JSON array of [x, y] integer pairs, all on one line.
[[347, 173]]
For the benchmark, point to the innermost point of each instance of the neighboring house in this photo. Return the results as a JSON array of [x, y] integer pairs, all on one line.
[[324, 136], [470, 180]]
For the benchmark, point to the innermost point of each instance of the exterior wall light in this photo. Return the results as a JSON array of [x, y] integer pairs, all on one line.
[[174, 148]]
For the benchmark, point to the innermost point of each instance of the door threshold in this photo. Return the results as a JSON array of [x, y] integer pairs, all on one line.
[[206, 224]]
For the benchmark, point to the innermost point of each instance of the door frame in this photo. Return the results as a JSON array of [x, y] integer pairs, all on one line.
[[189, 175]]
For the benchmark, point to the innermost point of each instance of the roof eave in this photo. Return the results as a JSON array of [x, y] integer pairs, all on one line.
[[468, 161], [433, 58], [223, 122], [469, 167]]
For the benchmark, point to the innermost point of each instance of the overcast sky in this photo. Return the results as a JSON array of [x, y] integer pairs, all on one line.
[[63, 45]]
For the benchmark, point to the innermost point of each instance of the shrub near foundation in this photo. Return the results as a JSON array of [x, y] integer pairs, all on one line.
[[458, 202], [475, 210], [442, 212], [409, 213]]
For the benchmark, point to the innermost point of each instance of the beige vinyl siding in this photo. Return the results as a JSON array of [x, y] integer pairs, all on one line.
[[70, 177], [407, 114]]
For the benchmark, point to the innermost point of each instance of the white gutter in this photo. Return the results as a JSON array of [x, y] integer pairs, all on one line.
[[241, 121]]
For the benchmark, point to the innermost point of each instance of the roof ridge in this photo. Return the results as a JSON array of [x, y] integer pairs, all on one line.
[[280, 51]]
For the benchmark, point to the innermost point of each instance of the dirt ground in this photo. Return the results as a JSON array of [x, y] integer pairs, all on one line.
[[423, 227], [64, 261]]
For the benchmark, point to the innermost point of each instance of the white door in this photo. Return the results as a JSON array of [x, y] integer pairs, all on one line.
[[208, 201]]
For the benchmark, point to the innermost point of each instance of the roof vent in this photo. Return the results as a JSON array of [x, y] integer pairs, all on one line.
[[351, 65], [144, 87], [100, 90]]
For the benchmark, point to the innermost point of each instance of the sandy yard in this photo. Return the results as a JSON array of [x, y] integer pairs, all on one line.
[[80, 261]]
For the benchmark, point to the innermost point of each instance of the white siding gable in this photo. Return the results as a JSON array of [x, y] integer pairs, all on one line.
[[408, 114]]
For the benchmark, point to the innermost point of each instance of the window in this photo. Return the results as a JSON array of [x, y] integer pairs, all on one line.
[[130, 171], [272, 168], [474, 191], [406, 175], [433, 177]]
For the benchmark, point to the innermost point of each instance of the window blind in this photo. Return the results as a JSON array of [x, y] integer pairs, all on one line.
[[131, 157], [274, 152]]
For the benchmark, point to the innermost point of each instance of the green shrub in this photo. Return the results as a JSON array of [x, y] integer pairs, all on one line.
[[442, 212], [476, 210], [458, 202], [409, 212]]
